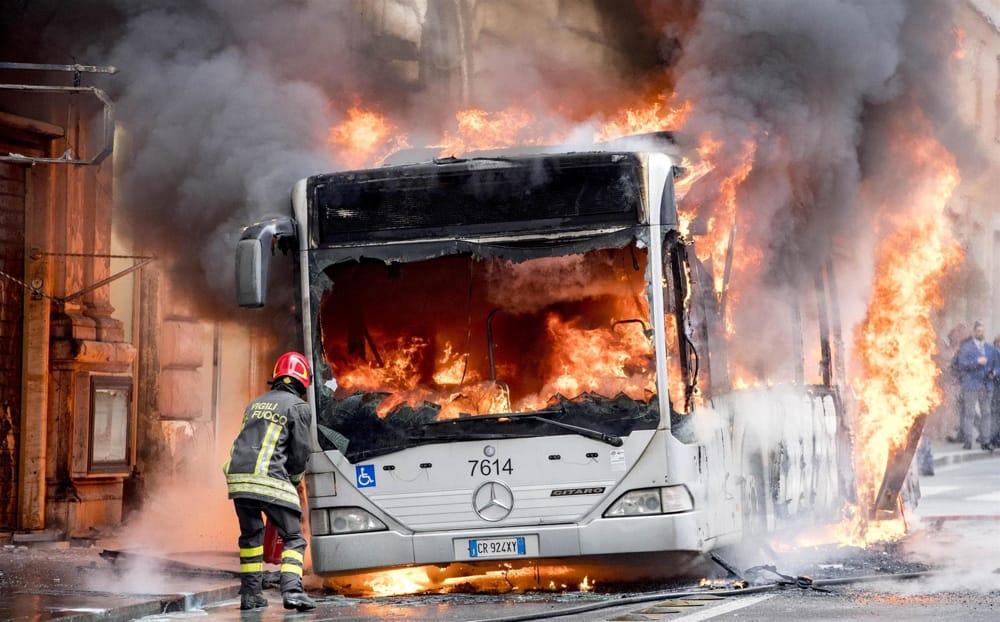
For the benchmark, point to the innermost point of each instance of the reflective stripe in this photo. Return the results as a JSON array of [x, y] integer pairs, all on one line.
[[267, 449], [277, 488], [292, 554], [253, 567], [263, 490], [253, 552], [292, 568]]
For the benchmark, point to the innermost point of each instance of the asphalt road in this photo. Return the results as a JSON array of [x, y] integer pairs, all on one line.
[[967, 489], [958, 534]]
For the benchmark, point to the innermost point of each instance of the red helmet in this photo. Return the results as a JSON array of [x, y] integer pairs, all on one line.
[[293, 365]]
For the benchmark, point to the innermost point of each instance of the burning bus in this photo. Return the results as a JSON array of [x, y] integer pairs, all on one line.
[[519, 358]]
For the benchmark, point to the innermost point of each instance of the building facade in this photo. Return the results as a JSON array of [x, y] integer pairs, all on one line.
[[66, 427], [977, 217], [112, 389], [974, 293]]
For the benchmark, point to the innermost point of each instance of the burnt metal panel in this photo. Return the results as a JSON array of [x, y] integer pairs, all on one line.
[[12, 198], [475, 196], [514, 250]]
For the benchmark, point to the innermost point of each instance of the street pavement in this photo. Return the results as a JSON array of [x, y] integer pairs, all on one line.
[[956, 533], [962, 490]]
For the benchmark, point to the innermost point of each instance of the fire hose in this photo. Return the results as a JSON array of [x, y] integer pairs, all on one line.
[[801, 582]]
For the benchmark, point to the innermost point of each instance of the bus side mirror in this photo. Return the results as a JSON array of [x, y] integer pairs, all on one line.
[[253, 257]]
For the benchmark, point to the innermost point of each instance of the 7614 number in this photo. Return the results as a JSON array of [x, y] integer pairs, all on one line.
[[490, 467]]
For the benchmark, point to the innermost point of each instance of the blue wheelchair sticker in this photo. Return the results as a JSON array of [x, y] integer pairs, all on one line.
[[364, 475]]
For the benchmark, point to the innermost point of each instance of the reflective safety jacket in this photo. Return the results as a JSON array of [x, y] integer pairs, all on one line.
[[268, 458]]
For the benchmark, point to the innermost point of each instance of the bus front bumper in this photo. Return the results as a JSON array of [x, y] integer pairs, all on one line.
[[605, 536]]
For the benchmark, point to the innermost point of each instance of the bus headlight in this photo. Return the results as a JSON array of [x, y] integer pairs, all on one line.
[[336, 521], [650, 501], [319, 522], [636, 503], [676, 499]]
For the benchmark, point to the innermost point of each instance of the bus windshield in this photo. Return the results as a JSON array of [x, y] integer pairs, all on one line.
[[438, 350]]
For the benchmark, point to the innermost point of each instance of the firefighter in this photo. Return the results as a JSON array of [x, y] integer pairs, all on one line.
[[266, 464]]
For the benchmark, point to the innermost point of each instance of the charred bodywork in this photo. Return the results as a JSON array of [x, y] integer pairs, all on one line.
[[443, 293]]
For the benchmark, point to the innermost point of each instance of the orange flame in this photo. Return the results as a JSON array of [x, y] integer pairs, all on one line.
[[501, 577], [853, 531], [365, 137], [653, 117], [599, 347], [478, 129], [451, 368], [896, 342], [616, 360], [714, 245], [607, 361]]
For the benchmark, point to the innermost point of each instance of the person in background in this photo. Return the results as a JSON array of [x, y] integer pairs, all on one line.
[[995, 402], [953, 379], [925, 457], [978, 363]]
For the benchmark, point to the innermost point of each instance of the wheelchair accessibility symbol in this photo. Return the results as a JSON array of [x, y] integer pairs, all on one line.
[[364, 474]]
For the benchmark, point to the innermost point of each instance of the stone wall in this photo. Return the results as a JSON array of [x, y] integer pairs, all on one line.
[[69, 339]]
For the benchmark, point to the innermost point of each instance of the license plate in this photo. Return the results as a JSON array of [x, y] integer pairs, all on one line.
[[497, 547]]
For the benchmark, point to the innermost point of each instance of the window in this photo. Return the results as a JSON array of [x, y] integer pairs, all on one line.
[[110, 423]]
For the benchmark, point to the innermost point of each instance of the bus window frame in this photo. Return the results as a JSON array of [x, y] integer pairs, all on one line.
[[675, 292]]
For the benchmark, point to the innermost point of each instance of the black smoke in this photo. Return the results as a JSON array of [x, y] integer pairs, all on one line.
[[818, 89]]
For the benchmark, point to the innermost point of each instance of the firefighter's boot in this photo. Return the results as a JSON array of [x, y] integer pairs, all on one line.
[[252, 601], [298, 600], [251, 594]]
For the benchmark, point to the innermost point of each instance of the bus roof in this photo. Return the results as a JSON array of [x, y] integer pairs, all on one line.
[[480, 194]]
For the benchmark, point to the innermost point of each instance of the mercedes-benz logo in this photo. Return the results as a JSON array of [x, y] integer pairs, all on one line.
[[493, 501]]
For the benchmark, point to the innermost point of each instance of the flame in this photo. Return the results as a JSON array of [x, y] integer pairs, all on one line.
[[896, 342], [451, 366], [501, 577], [596, 344], [714, 245], [722, 584], [653, 117], [365, 137], [744, 378], [396, 582], [478, 129], [853, 531], [677, 390], [617, 360], [693, 171], [895, 345], [607, 360]]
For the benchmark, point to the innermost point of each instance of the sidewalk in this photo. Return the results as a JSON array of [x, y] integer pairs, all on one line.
[[53, 581], [946, 453]]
